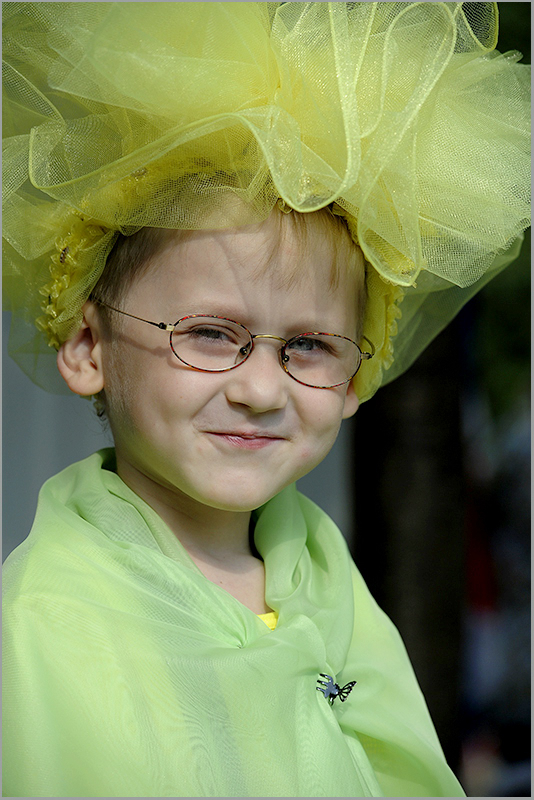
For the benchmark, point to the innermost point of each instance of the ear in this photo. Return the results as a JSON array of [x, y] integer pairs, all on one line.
[[79, 359], [352, 402]]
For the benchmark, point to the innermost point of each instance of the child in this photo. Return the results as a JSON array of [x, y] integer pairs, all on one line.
[[230, 244]]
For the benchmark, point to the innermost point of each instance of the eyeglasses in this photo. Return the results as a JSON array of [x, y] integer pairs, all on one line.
[[216, 344]]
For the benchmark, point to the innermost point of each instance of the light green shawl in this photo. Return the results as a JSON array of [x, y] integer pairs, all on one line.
[[128, 673]]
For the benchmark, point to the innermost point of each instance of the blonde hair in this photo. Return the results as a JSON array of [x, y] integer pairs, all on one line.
[[131, 256]]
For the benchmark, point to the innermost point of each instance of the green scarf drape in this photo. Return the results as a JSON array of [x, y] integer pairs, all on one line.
[[128, 673]]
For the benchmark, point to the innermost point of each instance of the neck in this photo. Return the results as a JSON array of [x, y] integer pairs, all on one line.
[[204, 531], [217, 541]]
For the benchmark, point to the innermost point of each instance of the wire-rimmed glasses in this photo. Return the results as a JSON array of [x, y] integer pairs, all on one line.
[[208, 343]]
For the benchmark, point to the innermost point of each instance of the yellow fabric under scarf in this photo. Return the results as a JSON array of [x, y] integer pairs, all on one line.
[[270, 619]]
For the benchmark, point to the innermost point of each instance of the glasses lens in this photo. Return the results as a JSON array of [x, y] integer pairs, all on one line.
[[321, 359], [210, 343]]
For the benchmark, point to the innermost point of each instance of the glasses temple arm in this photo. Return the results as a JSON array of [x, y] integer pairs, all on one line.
[[371, 345], [165, 326]]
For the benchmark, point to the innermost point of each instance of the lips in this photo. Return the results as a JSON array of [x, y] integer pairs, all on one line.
[[247, 440]]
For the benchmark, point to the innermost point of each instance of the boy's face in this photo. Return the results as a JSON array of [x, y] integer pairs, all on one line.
[[183, 431]]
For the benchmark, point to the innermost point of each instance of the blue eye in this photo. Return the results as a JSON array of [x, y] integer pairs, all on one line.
[[212, 334], [309, 344]]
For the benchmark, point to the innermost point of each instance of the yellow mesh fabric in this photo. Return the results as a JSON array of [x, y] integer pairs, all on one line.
[[123, 115]]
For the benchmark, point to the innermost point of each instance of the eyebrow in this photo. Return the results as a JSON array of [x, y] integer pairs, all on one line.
[[291, 329]]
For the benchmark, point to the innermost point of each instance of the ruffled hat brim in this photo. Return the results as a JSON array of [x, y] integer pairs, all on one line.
[[125, 115]]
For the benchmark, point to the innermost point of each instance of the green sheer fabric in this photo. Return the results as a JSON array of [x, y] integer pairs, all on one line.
[[128, 673]]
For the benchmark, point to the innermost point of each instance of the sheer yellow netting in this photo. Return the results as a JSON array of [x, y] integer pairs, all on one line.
[[123, 115]]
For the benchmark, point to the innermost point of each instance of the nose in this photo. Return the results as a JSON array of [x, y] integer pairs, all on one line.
[[260, 383]]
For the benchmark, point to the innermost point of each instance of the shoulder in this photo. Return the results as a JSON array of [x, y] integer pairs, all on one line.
[[64, 553]]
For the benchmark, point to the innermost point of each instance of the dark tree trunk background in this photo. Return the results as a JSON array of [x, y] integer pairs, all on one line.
[[410, 519], [409, 534]]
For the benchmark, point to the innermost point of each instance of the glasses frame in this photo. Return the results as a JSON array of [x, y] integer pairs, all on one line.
[[169, 327]]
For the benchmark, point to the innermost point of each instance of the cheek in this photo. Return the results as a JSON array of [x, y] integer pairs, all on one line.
[[322, 423], [118, 386], [151, 399], [133, 389]]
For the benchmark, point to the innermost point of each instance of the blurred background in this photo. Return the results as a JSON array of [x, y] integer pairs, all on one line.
[[441, 477], [430, 483]]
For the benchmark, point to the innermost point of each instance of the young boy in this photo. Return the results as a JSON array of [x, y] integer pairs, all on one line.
[[161, 679], [181, 621], [206, 448]]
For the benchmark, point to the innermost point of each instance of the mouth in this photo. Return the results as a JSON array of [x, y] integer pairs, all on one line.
[[246, 440]]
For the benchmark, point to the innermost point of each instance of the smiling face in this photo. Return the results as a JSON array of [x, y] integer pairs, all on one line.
[[229, 440]]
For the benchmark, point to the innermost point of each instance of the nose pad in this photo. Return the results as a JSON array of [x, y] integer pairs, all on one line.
[[282, 358], [260, 381], [245, 350]]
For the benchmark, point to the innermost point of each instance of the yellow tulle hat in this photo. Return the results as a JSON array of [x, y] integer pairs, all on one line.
[[402, 117]]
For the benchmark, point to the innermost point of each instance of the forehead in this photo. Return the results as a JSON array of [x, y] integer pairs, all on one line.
[[305, 262], [289, 248]]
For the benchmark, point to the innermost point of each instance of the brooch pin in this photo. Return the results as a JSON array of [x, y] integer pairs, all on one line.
[[332, 690]]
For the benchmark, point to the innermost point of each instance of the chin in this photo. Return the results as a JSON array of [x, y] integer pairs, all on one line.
[[241, 501]]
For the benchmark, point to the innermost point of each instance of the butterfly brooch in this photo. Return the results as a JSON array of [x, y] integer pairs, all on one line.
[[331, 690]]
